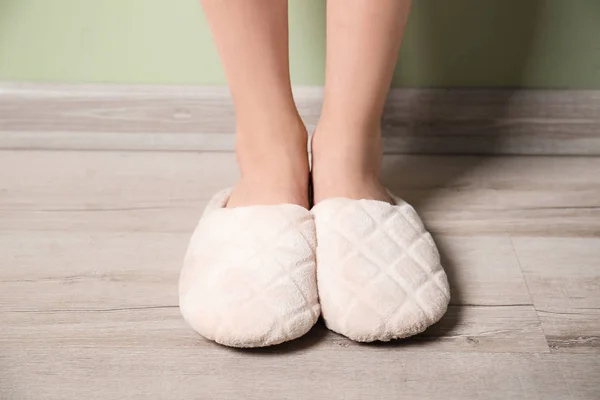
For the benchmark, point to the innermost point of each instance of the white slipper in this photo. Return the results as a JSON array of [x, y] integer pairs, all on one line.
[[378, 270], [249, 275]]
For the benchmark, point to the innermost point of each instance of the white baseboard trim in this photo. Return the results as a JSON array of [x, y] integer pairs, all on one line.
[[189, 118]]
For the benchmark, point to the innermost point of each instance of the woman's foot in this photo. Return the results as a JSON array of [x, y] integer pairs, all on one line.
[[347, 163], [274, 166]]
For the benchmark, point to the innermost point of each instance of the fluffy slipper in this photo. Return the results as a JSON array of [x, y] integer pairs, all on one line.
[[379, 273], [249, 275]]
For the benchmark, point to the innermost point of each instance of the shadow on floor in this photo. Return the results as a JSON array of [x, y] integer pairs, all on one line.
[[313, 337], [467, 40]]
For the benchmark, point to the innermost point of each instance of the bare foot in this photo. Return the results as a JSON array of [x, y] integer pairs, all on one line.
[[274, 167], [347, 163]]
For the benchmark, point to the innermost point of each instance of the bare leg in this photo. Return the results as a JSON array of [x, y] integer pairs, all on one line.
[[363, 39], [252, 39]]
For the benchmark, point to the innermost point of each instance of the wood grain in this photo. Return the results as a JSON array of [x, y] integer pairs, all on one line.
[[563, 276], [109, 274], [188, 118], [166, 191], [183, 372], [91, 244]]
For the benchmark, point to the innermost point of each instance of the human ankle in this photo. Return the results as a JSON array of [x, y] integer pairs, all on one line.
[[277, 145], [347, 162], [348, 149]]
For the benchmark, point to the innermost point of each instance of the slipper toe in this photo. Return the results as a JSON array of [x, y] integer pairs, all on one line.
[[379, 272]]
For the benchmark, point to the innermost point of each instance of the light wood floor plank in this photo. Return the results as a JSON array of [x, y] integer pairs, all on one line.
[[534, 196], [189, 371], [165, 192], [464, 329], [183, 118], [582, 374], [60, 273], [73, 271], [484, 271], [563, 275]]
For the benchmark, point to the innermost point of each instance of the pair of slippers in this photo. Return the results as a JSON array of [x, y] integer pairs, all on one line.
[[261, 275]]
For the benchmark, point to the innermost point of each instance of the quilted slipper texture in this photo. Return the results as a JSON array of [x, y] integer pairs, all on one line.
[[249, 275], [379, 273]]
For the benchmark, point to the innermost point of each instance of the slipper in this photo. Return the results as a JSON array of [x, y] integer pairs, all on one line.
[[378, 270], [249, 274]]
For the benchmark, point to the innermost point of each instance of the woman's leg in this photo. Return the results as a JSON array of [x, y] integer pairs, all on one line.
[[363, 39], [252, 40]]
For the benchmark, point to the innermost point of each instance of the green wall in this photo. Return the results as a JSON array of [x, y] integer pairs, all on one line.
[[525, 43]]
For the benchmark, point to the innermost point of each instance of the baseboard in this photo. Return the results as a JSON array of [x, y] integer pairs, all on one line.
[[188, 118]]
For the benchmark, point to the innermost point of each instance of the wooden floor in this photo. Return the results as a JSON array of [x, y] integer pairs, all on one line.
[[91, 244]]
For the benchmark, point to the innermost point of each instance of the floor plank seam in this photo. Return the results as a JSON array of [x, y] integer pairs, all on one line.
[[90, 310], [529, 291], [492, 305]]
